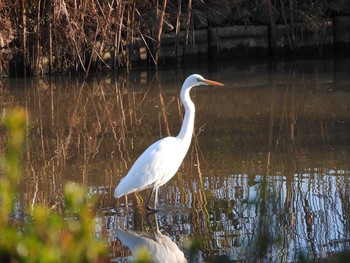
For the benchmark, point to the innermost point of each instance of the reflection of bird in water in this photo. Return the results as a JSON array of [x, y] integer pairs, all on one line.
[[160, 247], [159, 163]]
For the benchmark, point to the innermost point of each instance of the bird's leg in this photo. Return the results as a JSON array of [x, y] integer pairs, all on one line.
[[156, 198], [148, 199]]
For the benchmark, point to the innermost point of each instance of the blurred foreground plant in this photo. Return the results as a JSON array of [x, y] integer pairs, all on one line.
[[47, 236]]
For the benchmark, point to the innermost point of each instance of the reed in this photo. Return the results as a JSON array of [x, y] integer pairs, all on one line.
[[50, 36]]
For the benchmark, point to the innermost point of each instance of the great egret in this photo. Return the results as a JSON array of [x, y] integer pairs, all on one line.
[[159, 163]]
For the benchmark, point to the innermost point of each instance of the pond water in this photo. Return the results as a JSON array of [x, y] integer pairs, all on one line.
[[267, 176]]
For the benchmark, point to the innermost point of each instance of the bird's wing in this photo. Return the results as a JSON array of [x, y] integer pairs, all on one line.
[[158, 161]]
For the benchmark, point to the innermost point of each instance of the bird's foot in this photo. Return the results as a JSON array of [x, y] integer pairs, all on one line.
[[152, 210]]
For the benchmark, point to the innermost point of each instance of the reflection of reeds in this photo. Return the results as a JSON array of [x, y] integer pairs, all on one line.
[[91, 133], [85, 125], [164, 118]]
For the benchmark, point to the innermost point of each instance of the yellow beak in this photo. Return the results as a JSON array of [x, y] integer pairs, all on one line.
[[212, 82]]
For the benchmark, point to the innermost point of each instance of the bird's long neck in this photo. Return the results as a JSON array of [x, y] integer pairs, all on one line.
[[188, 122]]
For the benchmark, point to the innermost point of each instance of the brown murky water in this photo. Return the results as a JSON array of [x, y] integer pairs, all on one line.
[[266, 178]]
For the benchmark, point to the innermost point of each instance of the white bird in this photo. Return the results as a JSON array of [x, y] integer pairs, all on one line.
[[159, 163]]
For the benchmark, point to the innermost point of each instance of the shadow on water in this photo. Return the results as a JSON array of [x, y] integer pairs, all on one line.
[[266, 178]]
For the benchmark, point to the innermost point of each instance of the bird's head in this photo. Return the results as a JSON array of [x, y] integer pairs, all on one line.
[[196, 80]]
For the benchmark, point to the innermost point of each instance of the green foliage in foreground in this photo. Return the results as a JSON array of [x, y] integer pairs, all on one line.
[[46, 236]]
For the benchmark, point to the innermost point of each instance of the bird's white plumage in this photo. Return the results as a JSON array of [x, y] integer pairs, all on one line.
[[154, 166], [159, 163]]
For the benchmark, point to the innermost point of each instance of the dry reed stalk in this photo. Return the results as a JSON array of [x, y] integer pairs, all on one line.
[[187, 30], [177, 27], [92, 51], [106, 17], [272, 26], [37, 37], [147, 46], [160, 20], [24, 35], [286, 24], [118, 39], [49, 12]]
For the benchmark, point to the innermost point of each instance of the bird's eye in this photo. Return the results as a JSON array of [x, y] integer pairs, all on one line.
[[199, 80]]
